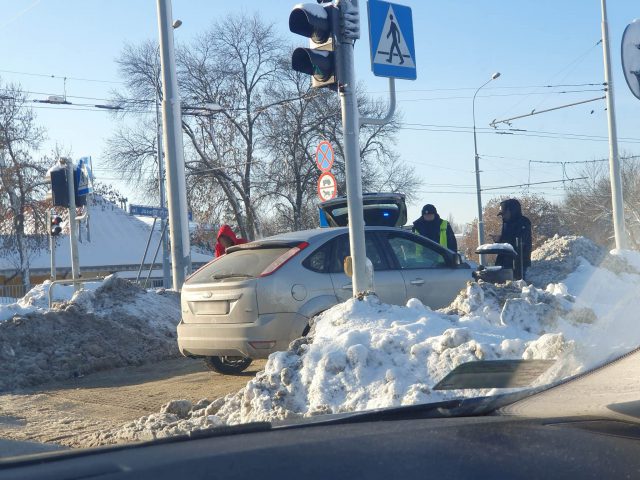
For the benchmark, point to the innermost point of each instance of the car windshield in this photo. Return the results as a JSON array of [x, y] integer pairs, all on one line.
[[168, 262]]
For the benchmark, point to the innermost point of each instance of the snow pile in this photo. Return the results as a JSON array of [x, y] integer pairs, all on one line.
[[112, 324], [363, 354], [560, 256], [37, 299]]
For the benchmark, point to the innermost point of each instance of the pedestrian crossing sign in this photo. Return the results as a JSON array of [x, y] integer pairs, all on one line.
[[83, 177], [393, 51]]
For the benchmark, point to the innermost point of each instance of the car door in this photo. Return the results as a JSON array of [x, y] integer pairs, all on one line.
[[388, 283], [427, 269]]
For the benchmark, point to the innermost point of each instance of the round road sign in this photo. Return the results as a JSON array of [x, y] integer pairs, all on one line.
[[631, 56], [327, 186], [324, 156]]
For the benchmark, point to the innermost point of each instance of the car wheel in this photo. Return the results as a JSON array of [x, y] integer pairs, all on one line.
[[228, 365]]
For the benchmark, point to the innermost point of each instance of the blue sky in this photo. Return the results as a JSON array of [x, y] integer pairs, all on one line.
[[458, 46]]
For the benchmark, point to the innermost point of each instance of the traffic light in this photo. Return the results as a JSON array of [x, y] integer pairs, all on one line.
[[319, 23], [56, 228]]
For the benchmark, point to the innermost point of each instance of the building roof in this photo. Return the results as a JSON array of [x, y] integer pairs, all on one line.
[[117, 239]]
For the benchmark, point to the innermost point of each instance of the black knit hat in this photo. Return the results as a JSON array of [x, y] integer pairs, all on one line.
[[428, 208]]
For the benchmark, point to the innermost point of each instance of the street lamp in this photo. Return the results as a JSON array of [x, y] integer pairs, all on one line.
[[475, 146]]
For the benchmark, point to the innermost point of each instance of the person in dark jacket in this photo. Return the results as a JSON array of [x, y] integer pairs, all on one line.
[[430, 225], [225, 239], [516, 231]]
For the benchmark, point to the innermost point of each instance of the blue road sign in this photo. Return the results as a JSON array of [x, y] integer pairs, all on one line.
[[393, 52], [146, 211], [83, 178]]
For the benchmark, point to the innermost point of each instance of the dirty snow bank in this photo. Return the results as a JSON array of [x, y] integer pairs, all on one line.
[[365, 354], [112, 324], [559, 256]]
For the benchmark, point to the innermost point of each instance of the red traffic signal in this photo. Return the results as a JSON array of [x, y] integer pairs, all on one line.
[[56, 226]]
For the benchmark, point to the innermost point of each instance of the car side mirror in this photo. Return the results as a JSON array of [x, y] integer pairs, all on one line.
[[457, 259]]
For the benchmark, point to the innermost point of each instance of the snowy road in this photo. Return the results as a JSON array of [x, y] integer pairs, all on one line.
[[67, 412]]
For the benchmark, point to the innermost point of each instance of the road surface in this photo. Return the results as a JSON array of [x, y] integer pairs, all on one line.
[[67, 412]]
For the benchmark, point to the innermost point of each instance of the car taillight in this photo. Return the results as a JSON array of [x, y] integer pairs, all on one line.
[[284, 258]]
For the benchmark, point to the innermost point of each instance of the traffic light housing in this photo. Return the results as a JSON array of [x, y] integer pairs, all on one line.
[[319, 23], [56, 226]]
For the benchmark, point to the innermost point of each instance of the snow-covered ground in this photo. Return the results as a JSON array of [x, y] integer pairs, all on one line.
[[105, 325], [362, 354]]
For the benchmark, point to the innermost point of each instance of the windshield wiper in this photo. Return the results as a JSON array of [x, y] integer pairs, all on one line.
[[230, 275]]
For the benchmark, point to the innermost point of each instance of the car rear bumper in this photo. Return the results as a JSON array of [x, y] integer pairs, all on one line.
[[233, 339]]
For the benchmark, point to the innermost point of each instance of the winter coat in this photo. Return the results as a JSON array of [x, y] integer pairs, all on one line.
[[432, 230], [517, 227], [227, 232]]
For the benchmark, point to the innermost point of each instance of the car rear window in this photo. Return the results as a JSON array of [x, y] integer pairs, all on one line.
[[241, 263]]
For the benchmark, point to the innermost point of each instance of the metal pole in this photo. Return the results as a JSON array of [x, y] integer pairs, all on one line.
[[614, 161], [172, 129], [351, 126], [153, 262], [477, 163], [52, 247], [166, 265], [146, 249], [73, 239]]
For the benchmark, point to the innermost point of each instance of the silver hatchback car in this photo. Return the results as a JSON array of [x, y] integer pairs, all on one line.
[[262, 295]]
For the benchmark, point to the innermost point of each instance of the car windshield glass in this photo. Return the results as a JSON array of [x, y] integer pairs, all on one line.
[[241, 263], [215, 213]]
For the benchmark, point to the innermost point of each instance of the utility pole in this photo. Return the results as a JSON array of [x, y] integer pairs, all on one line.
[[172, 129], [166, 273], [614, 161]]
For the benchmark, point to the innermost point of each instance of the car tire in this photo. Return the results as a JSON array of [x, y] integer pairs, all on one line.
[[228, 365]]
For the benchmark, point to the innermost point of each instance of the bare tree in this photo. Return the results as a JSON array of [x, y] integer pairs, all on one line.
[[587, 208], [22, 177], [250, 125]]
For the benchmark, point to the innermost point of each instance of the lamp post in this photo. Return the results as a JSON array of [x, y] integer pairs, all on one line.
[[477, 159]]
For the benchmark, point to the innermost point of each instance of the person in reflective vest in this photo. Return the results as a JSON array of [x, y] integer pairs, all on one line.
[[433, 227]]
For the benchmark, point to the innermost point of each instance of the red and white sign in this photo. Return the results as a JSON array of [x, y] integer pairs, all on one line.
[[324, 156], [327, 186]]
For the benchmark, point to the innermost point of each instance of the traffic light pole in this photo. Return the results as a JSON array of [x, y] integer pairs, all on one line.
[[174, 158], [361, 282], [73, 227], [52, 248]]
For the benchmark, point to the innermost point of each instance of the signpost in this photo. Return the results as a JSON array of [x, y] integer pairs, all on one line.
[[327, 186], [393, 56], [393, 51], [147, 211], [631, 57]]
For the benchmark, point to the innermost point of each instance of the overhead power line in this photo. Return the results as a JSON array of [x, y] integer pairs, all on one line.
[[534, 183]]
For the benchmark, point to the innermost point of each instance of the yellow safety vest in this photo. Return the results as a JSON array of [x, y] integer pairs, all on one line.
[[443, 233]]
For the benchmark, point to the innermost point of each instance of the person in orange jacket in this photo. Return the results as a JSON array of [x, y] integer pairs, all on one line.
[[225, 239]]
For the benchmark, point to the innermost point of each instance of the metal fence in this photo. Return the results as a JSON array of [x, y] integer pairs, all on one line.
[[152, 283], [11, 293]]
